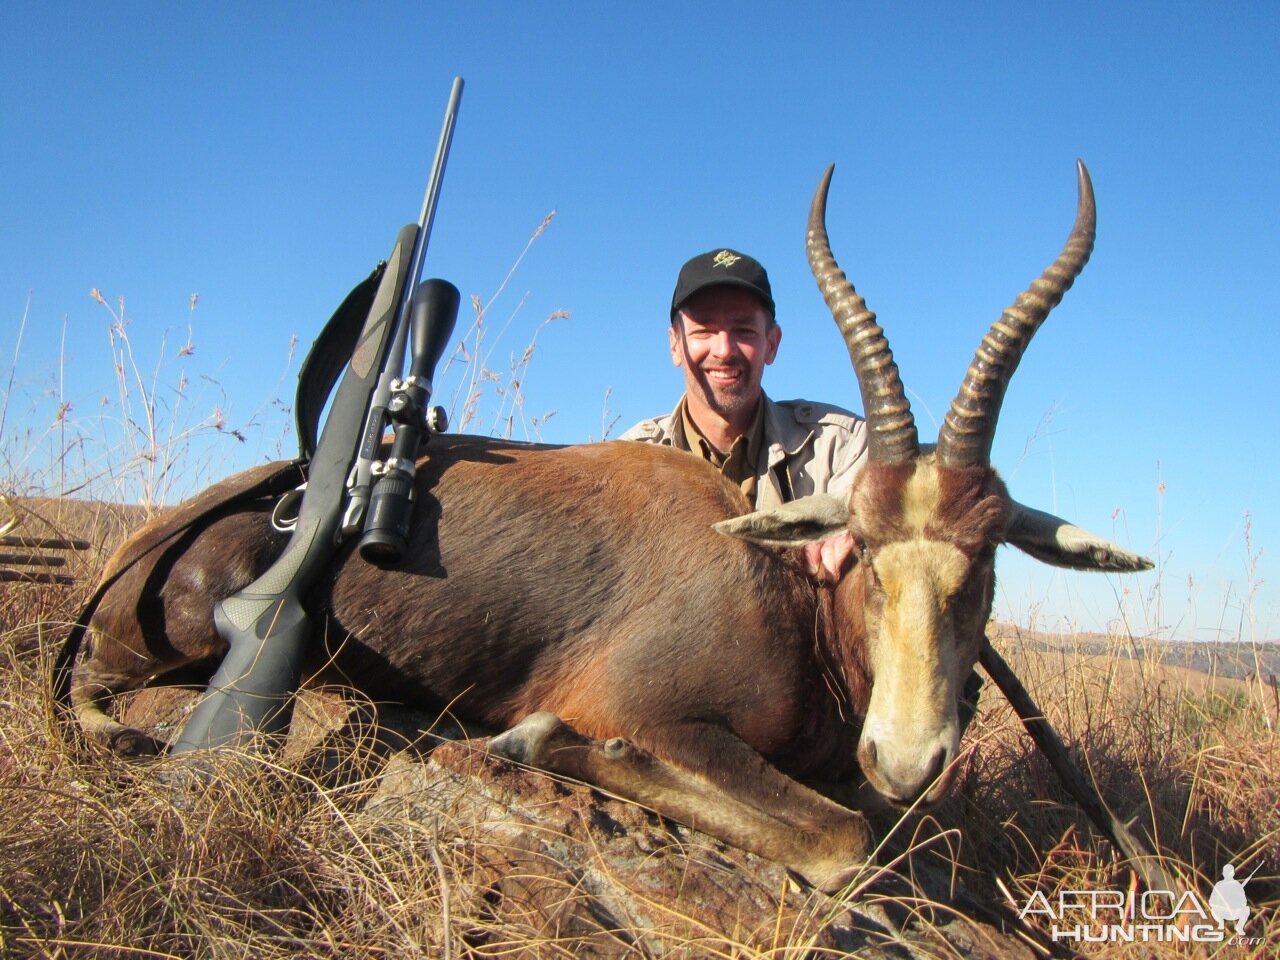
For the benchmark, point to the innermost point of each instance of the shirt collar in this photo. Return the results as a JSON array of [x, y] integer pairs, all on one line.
[[686, 436]]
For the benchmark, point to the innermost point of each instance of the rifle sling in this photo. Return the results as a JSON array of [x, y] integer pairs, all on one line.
[[328, 357]]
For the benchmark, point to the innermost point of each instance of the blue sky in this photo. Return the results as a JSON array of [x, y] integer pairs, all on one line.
[[263, 155]]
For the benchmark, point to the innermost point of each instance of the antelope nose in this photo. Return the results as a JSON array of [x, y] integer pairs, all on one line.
[[902, 783]]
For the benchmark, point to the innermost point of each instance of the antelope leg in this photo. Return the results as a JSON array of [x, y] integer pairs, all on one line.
[[740, 799]]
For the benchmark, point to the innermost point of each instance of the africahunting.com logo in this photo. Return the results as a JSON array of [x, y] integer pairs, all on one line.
[[1152, 916]]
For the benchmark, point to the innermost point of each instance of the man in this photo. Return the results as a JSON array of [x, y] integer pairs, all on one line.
[[723, 334]]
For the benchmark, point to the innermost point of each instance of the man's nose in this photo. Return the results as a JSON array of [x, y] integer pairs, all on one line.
[[723, 345]]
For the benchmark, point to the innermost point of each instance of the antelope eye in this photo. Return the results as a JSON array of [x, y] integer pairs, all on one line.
[[864, 557]]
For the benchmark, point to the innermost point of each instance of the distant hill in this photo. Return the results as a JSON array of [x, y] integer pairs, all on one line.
[[1236, 661]]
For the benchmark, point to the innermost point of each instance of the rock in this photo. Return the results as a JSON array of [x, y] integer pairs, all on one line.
[[605, 878]]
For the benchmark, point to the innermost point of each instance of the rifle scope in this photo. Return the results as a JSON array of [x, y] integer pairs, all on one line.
[[433, 315]]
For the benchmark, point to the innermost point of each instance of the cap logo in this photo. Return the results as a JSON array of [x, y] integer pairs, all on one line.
[[725, 259]]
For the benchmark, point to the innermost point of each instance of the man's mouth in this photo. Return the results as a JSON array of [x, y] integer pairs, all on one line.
[[725, 375]]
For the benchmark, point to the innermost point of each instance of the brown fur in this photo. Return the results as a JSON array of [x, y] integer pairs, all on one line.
[[612, 601], [588, 581]]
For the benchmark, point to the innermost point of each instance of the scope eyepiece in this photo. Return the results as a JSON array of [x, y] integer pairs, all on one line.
[[386, 530]]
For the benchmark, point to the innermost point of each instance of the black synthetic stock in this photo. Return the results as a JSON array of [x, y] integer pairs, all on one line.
[[172, 542], [265, 623]]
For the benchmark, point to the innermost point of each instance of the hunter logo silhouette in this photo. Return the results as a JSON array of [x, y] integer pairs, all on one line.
[[1227, 902]]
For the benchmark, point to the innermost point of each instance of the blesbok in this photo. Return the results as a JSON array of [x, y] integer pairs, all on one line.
[[587, 600]]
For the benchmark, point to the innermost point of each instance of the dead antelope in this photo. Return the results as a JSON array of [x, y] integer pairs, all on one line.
[[707, 676]]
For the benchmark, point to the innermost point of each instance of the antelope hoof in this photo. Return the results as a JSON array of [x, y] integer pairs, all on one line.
[[832, 880], [837, 856], [528, 740], [134, 744], [617, 749]]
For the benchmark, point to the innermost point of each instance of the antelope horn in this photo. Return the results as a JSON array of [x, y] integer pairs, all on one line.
[[970, 425], [890, 426]]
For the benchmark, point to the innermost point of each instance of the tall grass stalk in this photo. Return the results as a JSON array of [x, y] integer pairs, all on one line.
[[483, 398], [147, 442]]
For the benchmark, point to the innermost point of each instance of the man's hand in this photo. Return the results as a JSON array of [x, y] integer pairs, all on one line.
[[827, 560]]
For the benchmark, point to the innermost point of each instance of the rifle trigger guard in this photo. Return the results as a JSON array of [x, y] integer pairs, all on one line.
[[280, 518]]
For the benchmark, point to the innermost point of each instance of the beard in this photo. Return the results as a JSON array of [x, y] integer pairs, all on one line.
[[732, 397]]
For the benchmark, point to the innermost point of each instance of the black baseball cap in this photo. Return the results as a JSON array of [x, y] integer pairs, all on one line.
[[722, 268]]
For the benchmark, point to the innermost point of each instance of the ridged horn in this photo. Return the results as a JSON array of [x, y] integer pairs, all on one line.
[[969, 427], [890, 425]]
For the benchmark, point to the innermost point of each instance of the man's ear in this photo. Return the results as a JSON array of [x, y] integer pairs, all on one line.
[[810, 519], [773, 336], [675, 339]]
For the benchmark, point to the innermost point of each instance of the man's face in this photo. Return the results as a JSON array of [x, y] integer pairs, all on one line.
[[723, 341]]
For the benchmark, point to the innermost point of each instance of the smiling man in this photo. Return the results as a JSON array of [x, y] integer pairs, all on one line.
[[723, 334]]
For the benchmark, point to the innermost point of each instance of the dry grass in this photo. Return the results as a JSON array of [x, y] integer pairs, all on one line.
[[97, 859], [483, 398], [1192, 761]]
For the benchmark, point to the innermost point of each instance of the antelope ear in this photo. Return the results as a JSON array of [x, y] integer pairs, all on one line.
[[810, 519], [1061, 544]]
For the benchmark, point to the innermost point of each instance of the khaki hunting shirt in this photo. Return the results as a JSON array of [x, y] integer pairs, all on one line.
[[804, 448]]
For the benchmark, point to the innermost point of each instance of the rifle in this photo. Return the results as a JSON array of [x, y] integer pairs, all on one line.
[[265, 624]]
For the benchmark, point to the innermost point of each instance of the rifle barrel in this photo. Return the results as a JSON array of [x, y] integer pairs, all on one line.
[[427, 216]]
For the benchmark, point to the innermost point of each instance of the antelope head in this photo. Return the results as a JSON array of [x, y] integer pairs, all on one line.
[[926, 520]]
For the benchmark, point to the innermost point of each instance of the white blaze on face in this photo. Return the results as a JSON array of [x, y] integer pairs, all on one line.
[[911, 732]]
